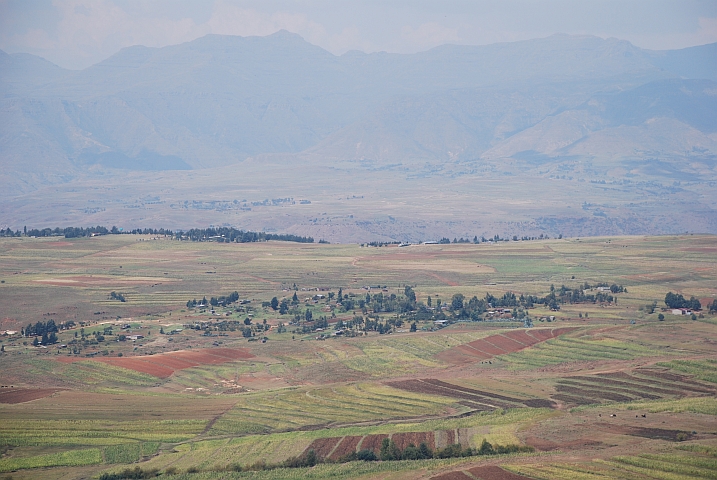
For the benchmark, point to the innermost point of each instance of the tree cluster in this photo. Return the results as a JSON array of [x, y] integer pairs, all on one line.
[[77, 232], [678, 301], [215, 301], [39, 329], [117, 296]]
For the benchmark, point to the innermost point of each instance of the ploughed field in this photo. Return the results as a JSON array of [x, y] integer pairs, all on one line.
[[163, 365], [592, 390]]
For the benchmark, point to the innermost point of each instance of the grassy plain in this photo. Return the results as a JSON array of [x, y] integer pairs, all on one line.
[[80, 417]]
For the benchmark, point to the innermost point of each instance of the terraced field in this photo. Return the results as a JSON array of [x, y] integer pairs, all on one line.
[[333, 448], [620, 394], [494, 345], [668, 466], [478, 400], [564, 350], [639, 384], [313, 408]]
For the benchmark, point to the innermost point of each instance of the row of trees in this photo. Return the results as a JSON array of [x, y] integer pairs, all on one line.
[[231, 234], [389, 452], [222, 234], [76, 232], [215, 301]]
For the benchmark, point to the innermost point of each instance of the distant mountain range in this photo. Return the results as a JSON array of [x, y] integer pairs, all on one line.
[[220, 100]]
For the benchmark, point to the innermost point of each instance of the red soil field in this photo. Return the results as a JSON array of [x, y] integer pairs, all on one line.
[[348, 445], [336, 447], [492, 472], [164, 365], [323, 446], [402, 440], [472, 351], [507, 343], [500, 344], [173, 362], [487, 347], [140, 365], [372, 442], [522, 337], [541, 335], [21, 395]]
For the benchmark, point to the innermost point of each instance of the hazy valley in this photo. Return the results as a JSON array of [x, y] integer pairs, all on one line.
[[564, 135]]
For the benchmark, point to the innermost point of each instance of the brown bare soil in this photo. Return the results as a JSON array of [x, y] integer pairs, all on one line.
[[323, 446], [372, 442], [619, 383], [469, 397], [493, 472], [348, 445], [695, 387], [402, 440], [618, 390], [649, 372], [420, 386], [571, 399], [472, 390], [164, 365], [140, 365], [645, 432], [21, 395], [521, 337], [595, 395]]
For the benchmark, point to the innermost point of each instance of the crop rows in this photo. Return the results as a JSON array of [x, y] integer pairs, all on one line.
[[95, 432], [88, 372], [161, 365], [703, 369], [641, 384], [671, 466], [470, 397], [561, 350], [334, 448], [72, 458], [295, 409]]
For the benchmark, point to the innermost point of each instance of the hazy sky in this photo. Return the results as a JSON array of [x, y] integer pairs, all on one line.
[[78, 33]]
